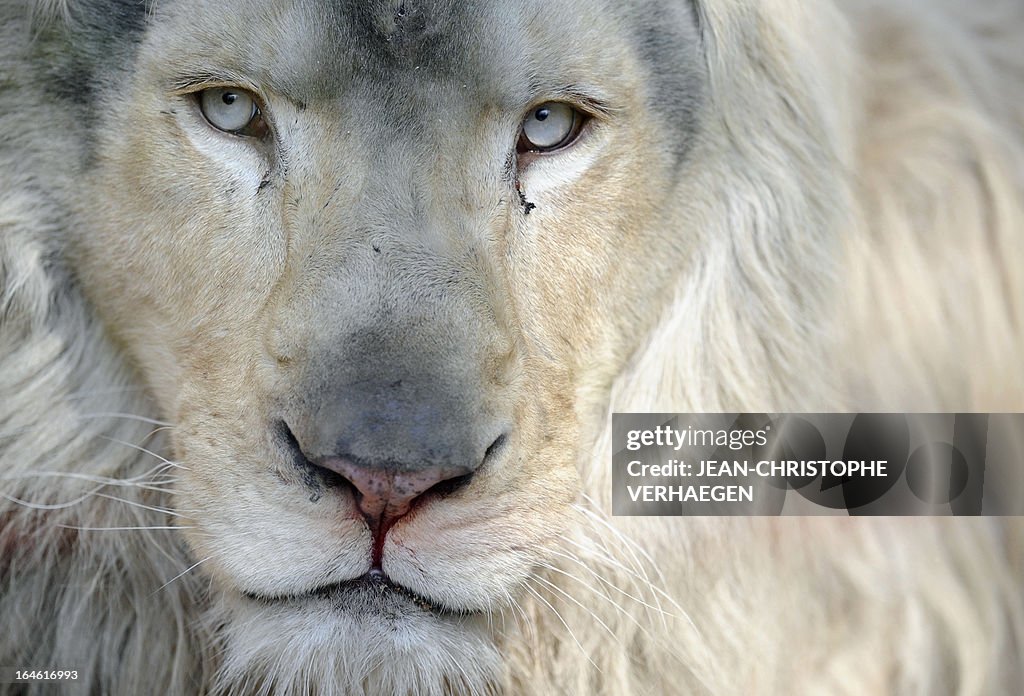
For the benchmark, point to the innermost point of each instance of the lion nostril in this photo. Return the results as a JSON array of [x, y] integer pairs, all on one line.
[[385, 489], [384, 492], [315, 475], [285, 435], [495, 448], [449, 486]]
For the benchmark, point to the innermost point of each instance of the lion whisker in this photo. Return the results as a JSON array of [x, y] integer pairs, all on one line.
[[125, 416], [140, 505], [595, 590], [598, 546], [14, 432], [48, 506], [119, 529], [572, 635], [138, 482], [657, 592], [658, 609], [637, 580], [140, 448], [181, 574], [519, 616], [453, 661], [133, 482], [575, 601], [597, 517], [631, 546]]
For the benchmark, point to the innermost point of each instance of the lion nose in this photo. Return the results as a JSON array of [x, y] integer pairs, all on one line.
[[384, 495], [399, 440]]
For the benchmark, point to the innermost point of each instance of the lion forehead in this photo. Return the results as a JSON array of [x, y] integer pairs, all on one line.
[[505, 54]]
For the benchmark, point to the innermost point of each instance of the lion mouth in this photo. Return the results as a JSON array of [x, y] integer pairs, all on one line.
[[373, 593]]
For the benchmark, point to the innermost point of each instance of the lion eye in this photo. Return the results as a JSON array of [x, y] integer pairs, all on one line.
[[231, 110], [550, 126]]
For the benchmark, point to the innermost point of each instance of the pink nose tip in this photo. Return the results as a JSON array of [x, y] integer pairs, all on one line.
[[384, 495]]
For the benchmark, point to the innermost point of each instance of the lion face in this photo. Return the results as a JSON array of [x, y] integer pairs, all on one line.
[[368, 283]]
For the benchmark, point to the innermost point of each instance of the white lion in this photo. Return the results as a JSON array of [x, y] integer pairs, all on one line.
[[313, 316]]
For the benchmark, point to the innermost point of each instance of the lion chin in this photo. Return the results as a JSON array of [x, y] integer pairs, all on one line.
[[364, 635], [314, 315]]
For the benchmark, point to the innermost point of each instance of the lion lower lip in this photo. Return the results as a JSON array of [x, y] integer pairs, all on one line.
[[374, 590], [376, 584]]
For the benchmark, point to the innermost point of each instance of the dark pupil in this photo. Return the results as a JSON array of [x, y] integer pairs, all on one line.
[[542, 114], [229, 98]]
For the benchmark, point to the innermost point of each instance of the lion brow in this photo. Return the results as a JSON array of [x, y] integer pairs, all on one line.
[[203, 78], [591, 98]]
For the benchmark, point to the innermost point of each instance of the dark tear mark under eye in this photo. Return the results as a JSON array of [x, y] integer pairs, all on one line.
[[264, 182], [510, 175], [527, 205]]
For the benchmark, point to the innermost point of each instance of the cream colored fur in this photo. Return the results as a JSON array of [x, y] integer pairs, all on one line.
[[869, 257]]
